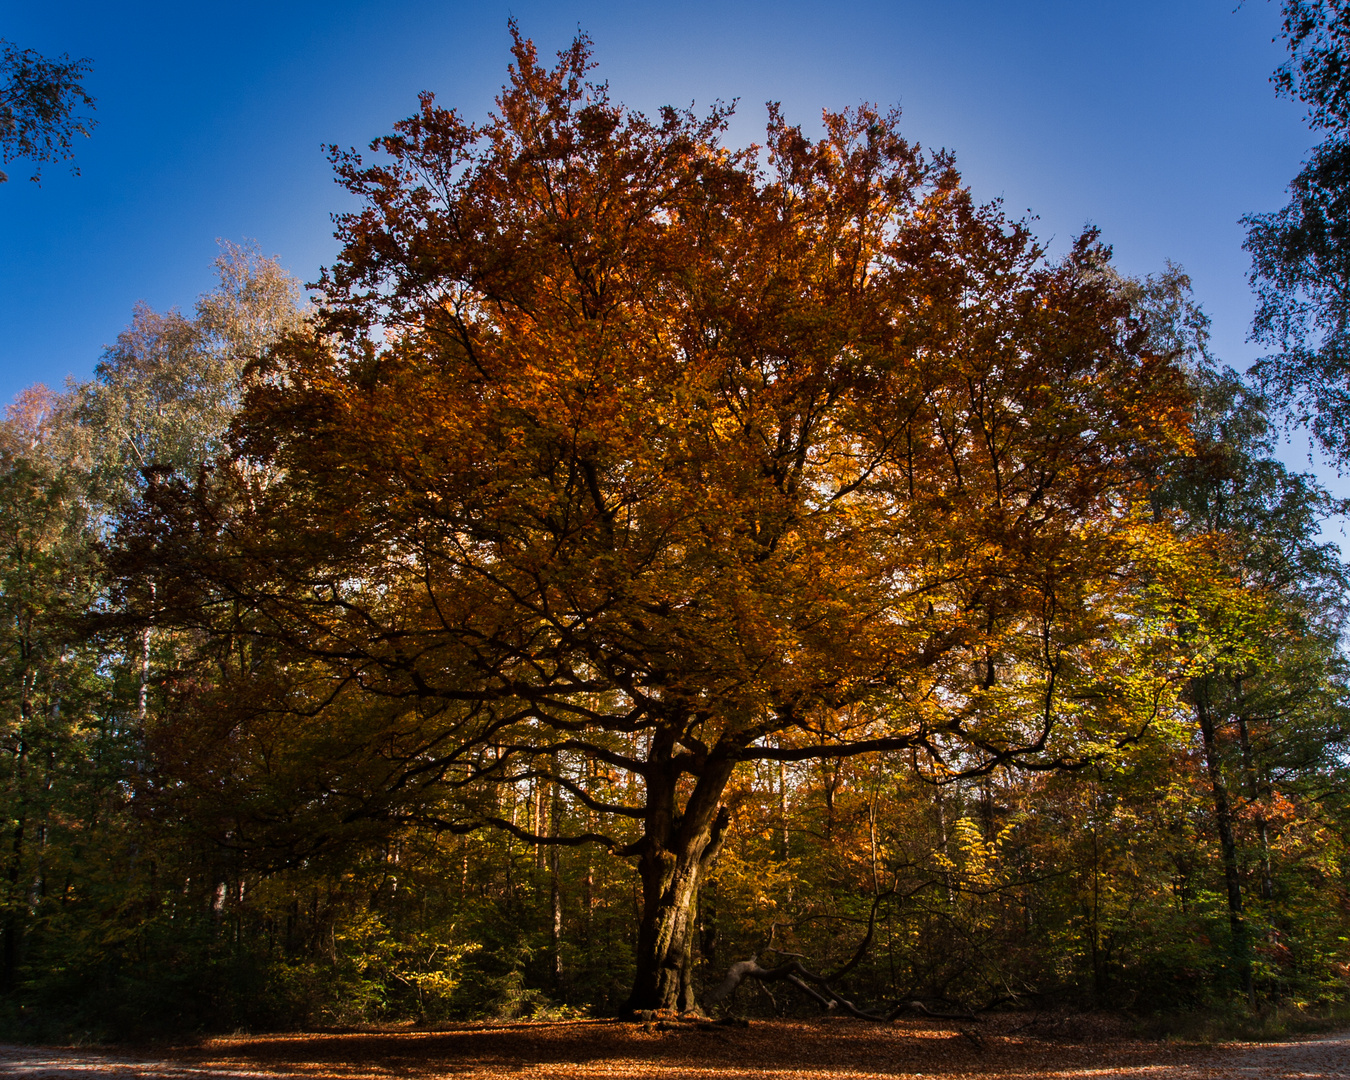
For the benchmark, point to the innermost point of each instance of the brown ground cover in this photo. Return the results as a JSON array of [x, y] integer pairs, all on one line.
[[1005, 1047]]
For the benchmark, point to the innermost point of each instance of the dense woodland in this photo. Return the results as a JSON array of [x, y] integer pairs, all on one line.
[[662, 575]]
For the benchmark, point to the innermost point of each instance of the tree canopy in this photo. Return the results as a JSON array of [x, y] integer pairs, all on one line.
[[619, 450], [1300, 263], [42, 106]]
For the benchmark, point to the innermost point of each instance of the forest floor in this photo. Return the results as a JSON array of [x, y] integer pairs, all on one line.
[[837, 1049]]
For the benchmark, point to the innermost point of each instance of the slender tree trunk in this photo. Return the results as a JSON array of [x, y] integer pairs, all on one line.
[[537, 824], [1254, 795], [829, 783], [12, 928], [555, 890], [1223, 818], [588, 883], [9, 947], [942, 842], [1094, 920], [143, 690]]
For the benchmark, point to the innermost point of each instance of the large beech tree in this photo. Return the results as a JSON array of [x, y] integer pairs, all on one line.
[[619, 459]]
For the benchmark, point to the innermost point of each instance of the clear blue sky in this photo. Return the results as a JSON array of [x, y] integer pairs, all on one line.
[[1153, 119]]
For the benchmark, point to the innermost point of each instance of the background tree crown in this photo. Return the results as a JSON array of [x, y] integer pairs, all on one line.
[[43, 106]]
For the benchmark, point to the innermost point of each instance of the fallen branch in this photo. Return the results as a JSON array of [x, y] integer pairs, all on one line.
[[920, 1007], [818, 988]]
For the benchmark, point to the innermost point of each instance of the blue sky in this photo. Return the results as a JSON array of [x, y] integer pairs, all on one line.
[[1153, 120]]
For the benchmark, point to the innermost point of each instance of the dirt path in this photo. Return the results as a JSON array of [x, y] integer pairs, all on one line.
[[1326, 1055], [783, 1050]]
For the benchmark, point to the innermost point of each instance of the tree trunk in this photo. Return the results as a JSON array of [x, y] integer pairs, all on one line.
[[555, 891], [1223, 817], [670, 884], [11, 927], [675, 851], [1254, 796], [143, 691]]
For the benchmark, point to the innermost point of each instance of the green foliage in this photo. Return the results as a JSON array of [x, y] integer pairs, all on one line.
[[42, 106], [1301, 253], [1317, 73]]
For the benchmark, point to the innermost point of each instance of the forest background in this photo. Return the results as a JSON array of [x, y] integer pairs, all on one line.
[[197, 837]]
